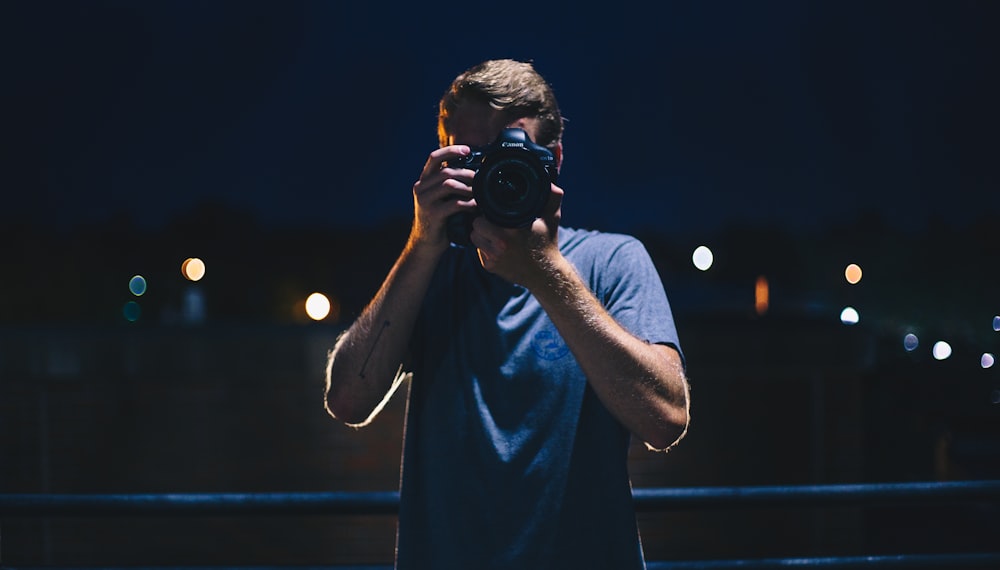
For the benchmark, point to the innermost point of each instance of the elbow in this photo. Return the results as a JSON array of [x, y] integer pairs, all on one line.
[[671, 406], [340, 402], [343, 410], [666, 439], [342, 405], [671, 429]]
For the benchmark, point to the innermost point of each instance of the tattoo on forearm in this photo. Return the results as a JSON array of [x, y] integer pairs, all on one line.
[[364, 365]]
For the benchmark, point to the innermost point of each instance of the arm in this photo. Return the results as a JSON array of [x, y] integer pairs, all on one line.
[[364, 367], [643, 385]]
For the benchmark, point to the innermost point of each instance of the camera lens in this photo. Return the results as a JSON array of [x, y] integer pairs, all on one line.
[[514, 179], [509, 187], [512, 191]]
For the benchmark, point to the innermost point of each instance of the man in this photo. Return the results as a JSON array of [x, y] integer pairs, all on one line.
[[533, 354]]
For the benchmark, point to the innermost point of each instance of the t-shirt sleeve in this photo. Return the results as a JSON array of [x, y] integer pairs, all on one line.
[[633, 293]]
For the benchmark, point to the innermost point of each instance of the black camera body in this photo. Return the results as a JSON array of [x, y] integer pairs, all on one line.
[[512, 183]]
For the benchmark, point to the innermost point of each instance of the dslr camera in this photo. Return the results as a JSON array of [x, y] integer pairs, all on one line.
[[512, 183]]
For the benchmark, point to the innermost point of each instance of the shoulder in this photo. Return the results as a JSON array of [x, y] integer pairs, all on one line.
[[577, 243], [607, 261]]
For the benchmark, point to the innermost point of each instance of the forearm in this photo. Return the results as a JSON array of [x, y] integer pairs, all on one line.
[[641, 384], [366, 360]]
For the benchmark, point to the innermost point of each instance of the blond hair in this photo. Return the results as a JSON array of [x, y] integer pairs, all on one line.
[[511, 87]]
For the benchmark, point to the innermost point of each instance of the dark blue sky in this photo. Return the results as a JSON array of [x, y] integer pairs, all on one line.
[[682, 116]]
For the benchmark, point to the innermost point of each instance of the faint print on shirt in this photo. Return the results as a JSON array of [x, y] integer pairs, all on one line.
[[549, 345]]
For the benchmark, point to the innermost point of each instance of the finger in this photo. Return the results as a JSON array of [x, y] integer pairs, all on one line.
[[488, 237], [439, 188], [451, 194], [442, 181], [439, 156], [554, 202]]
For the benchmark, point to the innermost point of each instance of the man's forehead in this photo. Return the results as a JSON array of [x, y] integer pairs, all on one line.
[[474, 123], [478, 124]]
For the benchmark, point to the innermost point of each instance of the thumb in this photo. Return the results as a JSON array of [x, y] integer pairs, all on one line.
[[553, 208]]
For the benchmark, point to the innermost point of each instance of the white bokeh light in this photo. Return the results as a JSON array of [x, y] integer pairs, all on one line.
[[849, 316], [987, 360], [702, 258], [317, 306], [941, 350]]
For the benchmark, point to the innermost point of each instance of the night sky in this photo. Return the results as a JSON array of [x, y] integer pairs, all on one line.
[[682, 116]]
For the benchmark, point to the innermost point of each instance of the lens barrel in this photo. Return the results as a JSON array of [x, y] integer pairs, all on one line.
[[512, 183], [511, 188]]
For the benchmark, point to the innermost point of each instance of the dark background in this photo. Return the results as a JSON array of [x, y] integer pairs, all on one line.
[[682, 115], [278, 141], [791, 137]]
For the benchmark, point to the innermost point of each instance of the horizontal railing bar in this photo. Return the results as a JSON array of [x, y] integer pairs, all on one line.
[[958, 560], [943, 561], [362, 567], [325, 503], [867, 494], [387, 502]]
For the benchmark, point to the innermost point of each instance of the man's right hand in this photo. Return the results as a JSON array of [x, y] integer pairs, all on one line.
[[365, 364], [440, 192]]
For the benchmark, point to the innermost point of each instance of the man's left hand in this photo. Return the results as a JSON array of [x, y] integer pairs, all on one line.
[[521, 255]]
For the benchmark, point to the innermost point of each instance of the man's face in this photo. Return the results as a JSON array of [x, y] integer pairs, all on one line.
[[477, 124]]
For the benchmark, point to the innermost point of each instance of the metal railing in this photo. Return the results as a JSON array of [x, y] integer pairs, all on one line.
[[646, 500]]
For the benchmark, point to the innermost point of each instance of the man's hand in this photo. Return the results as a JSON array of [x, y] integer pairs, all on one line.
[[521, 255], [439, 193]]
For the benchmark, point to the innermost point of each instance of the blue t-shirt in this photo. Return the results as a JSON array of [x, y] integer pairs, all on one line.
[[510, 460]]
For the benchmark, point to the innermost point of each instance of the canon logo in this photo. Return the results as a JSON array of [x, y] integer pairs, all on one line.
[[506, 144]]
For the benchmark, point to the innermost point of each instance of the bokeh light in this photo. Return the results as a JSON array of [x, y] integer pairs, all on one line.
[[762, 295], [853, 273], [941, 350], [850, 316], [702, 257], [911, 342], [317, 306], [996, 323], [987, 360], [131, 311], [193, 269], [137, 285]]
